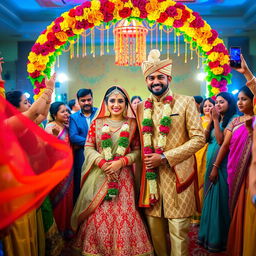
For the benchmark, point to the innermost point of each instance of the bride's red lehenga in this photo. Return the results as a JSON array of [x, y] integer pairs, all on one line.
[[109, 228]]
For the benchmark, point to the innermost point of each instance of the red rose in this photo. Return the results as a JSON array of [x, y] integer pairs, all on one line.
[[108, 17], [153, 201], [40, 85], [72, 13], [148, 150], [214, 64], [124, 134], [163, 17], [126, 12], [113, 184], [197, 23], [147, 129], [159, 151], [168, 98], [148, 104], [44, 50], [105, 136], [51, 36], [35, 74], [109, 7], [178, 24], [70, 33], [143, 14], [164, 129], [58, 20]]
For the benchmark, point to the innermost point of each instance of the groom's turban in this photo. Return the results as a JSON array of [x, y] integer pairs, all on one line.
[[154, 64]]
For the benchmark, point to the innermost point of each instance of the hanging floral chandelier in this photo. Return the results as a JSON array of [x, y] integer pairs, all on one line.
[[130, 43]]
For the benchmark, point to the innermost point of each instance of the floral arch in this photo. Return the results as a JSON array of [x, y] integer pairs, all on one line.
[[170, 14]]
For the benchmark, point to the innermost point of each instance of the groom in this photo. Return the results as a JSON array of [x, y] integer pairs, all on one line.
[[167, 182]]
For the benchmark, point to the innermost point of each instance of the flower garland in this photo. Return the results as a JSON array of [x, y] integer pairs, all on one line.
[[69, 25], [147, 130], [106, 143]]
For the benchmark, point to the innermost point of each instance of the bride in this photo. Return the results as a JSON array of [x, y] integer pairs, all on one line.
[[105, 217]]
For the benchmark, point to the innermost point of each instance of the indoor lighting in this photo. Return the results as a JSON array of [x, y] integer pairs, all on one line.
[[235, 91], [62, 77], [201, 76]]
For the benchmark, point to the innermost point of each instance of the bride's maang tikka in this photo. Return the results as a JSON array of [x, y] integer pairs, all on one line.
[[115, 92]]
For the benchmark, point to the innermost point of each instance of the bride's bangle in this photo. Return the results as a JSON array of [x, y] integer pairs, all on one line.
[[216, 165]]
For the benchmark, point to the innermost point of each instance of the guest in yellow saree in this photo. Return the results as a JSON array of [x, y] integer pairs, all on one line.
[[105, 214]]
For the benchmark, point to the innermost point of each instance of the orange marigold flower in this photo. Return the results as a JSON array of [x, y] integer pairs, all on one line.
[[62, 36]]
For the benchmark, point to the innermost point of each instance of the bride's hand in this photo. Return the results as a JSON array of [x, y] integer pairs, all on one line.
[[104, 166], [113, 167]]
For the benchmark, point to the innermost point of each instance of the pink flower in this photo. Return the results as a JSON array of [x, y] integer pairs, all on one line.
[[59, 20], [86, 4], [219, 48], [105, 136], [197, 23], [178, 24], [164, 129], [227, 69], [147, 129], [70, 33], [148, 104], [214, 82], [180, 5], [159, 151], [223, 82], [79, 11], [56, 28], [40, 85], [148, 150], [171, 11], [223, 89], [36, 90]]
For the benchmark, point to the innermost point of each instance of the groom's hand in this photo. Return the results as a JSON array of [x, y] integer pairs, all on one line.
[[152, 160]]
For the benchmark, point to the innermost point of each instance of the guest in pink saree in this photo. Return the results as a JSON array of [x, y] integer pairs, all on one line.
[[109, 224]]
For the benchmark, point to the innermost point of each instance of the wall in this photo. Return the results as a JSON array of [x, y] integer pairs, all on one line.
[[100, 73]]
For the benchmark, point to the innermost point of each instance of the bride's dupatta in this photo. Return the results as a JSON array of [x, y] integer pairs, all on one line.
[[94, 184]]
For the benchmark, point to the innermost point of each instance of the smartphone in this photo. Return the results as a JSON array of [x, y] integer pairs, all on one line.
[[235, 58]]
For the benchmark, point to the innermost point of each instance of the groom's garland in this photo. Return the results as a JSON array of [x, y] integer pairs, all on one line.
[[106, 143], [147, 130]]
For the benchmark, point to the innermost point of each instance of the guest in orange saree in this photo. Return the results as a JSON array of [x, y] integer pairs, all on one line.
[[107, 224]]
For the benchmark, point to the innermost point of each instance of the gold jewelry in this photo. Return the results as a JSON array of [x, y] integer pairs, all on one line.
[[47, 100], [49, 88], [115, 91]]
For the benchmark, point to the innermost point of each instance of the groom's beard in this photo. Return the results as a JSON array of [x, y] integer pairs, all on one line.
[[160, 92]]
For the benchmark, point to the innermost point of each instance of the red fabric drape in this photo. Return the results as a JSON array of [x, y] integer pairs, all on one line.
[[32, 163]]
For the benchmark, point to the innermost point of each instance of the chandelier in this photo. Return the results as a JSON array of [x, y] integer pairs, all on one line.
[[130, 43]]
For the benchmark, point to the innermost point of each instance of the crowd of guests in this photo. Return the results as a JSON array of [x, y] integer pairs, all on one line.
[[95, 209]]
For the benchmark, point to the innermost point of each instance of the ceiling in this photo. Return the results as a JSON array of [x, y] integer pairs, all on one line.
[[24, 20]]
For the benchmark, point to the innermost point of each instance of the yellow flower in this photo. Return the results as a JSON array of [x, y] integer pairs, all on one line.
[[32, 57], [179, 15], [206, 27], [154, 15], [42, 39], [225, 60], [95, 5], [135, 12], [213, 56], [64, 25], [169, 21], [217, 41], [95, 17], [191, 18], [62, 36], [71, 22], [163, 6], [116, 14], [77, 31], [43, 59], [206, 47], [119, 5], [215, 90], [217, 71], [151, 7], [128, 4], [31, 68]]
